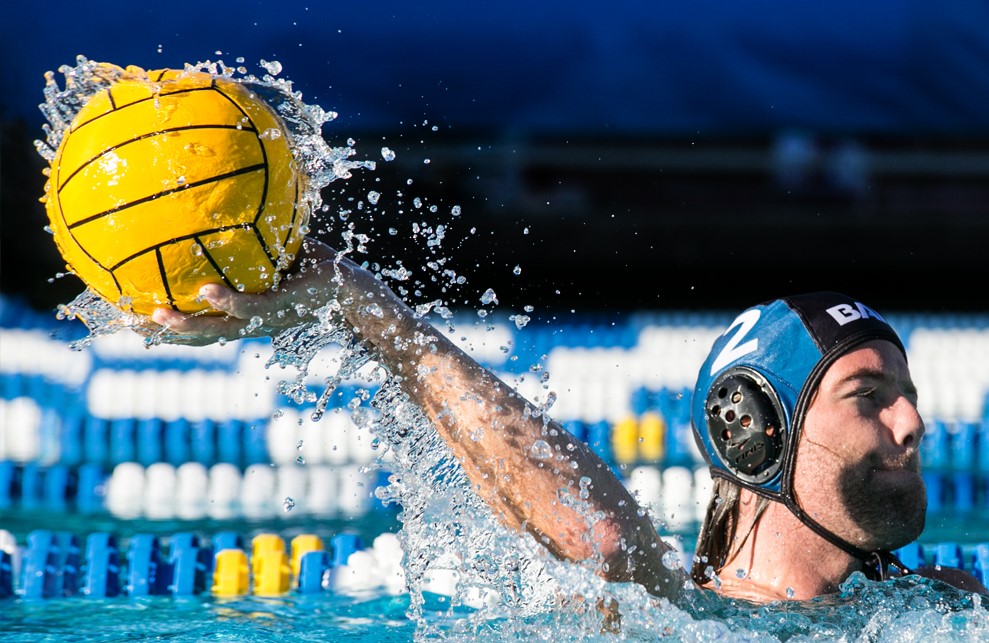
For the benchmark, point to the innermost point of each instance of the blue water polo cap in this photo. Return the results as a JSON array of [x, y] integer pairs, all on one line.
[[753, 389]]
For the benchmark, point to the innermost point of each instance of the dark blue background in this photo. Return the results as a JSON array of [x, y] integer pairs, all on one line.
[[578, 123], [621, 67]]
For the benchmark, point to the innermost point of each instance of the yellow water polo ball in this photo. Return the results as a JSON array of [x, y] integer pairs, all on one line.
[[167, 180]]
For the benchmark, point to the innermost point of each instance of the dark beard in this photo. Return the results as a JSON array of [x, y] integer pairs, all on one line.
[[892, 513]]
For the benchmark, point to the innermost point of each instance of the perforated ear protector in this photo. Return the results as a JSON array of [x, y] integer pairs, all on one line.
[[745, 423]]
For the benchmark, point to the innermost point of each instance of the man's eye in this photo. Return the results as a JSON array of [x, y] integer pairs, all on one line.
[[867, 393]]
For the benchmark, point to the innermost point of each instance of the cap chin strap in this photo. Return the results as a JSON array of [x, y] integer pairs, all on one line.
[[875, 564]]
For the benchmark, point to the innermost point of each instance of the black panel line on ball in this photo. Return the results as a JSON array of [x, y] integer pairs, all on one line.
[[264, 246], [257, 216], [184, 237], [187, 186], [264, 157], [267, 177], [212, 262], [161, 74], [247, 117], [142, 137], [164, 278], [154, 96], [295, 212], [264, 188], [74, 127], [116, 283], [79, 245]]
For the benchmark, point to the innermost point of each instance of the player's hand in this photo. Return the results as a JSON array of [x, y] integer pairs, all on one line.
[[317, 273]]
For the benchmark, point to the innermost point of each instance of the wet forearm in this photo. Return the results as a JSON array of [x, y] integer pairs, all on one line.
[[535, 475]]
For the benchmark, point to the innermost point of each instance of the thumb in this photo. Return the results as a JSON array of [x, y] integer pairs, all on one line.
[[231, 302]]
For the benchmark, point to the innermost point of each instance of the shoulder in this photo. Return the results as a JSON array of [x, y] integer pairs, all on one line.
[[954, 577]]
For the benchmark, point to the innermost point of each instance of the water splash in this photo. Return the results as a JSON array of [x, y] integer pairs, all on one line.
[[321, 163]]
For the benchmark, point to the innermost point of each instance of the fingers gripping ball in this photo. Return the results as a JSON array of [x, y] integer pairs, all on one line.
[[167, 180]]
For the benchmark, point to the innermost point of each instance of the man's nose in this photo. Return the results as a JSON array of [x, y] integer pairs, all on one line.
[[908, 428]]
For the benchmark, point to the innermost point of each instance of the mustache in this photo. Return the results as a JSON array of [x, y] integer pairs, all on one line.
[[906, 461]]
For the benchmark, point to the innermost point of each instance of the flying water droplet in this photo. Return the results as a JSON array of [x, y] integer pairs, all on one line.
[[374, 309], [489, 297], [272, 67], [252, 325], [541, 450], [585, 487], [671, 560]]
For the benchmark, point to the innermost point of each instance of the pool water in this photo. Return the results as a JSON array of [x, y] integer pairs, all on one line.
[[556, 602], [294, 618], [893, 611]]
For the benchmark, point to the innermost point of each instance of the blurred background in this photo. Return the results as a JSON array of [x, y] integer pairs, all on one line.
[[636, 172], [625, 156]]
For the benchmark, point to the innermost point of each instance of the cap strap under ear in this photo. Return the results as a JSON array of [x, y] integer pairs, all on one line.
[[877, 562], [878, 565]]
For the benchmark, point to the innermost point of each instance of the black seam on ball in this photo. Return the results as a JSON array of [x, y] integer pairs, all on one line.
[[117, 109], [143, 137], [185, 237], [152, 197], [164, 278], [295, 212], [272, 259], [212, 262]]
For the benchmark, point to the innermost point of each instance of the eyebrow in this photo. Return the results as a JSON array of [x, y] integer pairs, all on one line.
[[878, 376]]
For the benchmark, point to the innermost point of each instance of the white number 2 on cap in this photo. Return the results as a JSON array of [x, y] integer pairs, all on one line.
[[734, 349]]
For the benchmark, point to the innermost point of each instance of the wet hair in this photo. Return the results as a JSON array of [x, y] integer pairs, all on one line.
[[720, 528]]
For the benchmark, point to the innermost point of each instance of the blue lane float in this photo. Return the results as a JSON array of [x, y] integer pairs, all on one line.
[[313, 567], [980, 566], [147, 573], [6, 574], [9, 484], [183, 564], [191, 564], [102, 575], [50, 568]]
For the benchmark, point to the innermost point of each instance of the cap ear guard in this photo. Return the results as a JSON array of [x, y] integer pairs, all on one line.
[[746, 424]]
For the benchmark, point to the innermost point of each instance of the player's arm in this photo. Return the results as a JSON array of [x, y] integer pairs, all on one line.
[[535, 475]]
